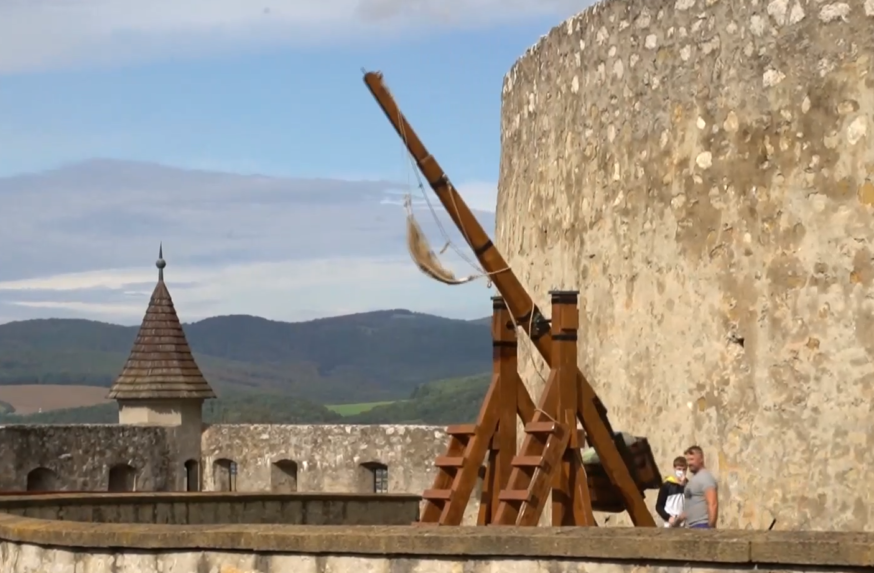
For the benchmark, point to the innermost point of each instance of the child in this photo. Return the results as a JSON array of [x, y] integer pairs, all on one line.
[[670, 500]]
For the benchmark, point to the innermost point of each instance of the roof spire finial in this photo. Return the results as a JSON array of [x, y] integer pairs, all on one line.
[[161, 263]]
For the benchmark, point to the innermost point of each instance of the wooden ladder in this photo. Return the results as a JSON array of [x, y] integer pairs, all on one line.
[[457, 471], [549, 459], [525, 496], [490, 441]]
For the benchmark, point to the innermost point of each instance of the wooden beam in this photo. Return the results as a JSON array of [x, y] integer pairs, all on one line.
[[527, 463], [524, 404], [503, 447], [458, 470], [527, 314], [571, 500]]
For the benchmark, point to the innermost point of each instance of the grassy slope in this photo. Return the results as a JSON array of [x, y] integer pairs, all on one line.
[[355, 409], [451, 401]]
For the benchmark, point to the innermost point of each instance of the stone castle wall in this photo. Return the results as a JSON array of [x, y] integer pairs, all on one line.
[[703, 172], [266, 458], [80, 457], [329, 458]]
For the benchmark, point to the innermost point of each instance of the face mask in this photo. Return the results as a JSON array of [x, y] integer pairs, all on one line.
[[680, 473]]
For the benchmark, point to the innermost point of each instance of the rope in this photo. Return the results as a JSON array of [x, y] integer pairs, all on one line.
[[412, 226], [418, 244], [530, 354], [423, 256]]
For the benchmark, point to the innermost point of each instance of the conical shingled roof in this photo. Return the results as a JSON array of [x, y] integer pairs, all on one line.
[[160, 365]]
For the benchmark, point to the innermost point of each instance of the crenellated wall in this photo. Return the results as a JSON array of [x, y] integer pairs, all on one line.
[[703, 172]]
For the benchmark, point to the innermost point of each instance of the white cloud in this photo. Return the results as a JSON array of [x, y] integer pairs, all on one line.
[[39, 34], [81, 242], [310, 289]]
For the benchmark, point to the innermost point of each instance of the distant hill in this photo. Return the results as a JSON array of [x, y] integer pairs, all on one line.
[[443, 402], [368, 357]]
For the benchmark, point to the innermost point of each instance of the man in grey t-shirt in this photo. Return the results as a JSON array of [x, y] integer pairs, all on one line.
[[702, 502]]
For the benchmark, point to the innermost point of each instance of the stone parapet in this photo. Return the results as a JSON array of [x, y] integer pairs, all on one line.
[[740, 550], [218, 508]]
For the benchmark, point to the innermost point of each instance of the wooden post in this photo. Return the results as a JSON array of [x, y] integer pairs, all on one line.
[[506, 375], [564, 344], [571, 499]]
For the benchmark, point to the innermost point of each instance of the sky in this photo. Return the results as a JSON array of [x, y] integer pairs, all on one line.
[[242, 136]]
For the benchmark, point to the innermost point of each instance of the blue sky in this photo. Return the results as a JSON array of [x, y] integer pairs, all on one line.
[[275, 90], [284, 110], [301, 113]]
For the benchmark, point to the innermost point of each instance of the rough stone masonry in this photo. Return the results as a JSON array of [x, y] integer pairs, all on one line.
[[703, 172]]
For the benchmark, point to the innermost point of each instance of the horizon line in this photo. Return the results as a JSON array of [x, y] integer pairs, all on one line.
[[326, 317]]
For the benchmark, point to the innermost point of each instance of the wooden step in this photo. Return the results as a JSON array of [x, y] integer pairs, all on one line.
[[517, 495], [449, 462], [540, 427], [527, 462], [461, 430], [437, 494]]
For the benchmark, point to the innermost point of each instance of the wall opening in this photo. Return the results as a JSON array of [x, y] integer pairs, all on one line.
[[373, 477], [192, 475], [283, 476], [42, 479], [224, 475], [122, 477], [480, 484]]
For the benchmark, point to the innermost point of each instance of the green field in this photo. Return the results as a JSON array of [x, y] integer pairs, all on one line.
[[355, 409], [441, 402]]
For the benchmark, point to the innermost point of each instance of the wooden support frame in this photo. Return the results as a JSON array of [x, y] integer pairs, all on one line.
[[491, 440], [511, 393], [549, 459], [516, 486], [599, 432]]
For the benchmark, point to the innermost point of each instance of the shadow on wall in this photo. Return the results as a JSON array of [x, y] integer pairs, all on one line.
[[372, 478], [42, 479], [224, 475], [122, 477], [283, 476], [192, 475], [480, 484]]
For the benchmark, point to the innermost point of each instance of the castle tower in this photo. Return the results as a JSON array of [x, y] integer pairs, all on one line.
[[161, 384]]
